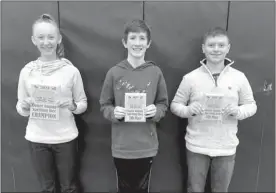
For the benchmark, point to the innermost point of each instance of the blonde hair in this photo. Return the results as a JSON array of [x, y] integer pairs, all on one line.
[[49, 19]]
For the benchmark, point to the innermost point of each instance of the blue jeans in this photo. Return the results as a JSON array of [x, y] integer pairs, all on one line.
[[221, 172], [51, 160]]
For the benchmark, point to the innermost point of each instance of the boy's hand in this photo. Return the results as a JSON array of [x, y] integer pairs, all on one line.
[[196, 109], [231, 110], [150, 111], [119, 112]]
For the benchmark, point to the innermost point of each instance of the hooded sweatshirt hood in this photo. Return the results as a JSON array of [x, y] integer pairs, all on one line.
[[126, 65], [49, 67]]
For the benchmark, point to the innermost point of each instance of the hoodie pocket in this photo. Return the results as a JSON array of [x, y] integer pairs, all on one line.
[[134, 137]]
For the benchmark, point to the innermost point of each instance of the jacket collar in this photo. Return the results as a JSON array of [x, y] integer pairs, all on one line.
[[227, 64]]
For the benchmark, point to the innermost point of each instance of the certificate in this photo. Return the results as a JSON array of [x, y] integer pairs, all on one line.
[[213, 104], [135, 103], [44, 106]]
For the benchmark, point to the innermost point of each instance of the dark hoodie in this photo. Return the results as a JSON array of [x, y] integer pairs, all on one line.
[[134, 140]]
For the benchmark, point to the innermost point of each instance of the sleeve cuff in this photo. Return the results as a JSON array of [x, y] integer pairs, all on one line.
[[81, 107]]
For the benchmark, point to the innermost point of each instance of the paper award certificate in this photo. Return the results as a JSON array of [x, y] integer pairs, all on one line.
[[135, 103], [44, 106], [213, 105]]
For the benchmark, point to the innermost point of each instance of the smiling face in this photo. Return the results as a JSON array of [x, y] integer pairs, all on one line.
[[216, 48], [46, 37], [136, 43]]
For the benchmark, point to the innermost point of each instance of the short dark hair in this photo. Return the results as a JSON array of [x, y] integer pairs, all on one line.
[[216, 31], [137, 25]]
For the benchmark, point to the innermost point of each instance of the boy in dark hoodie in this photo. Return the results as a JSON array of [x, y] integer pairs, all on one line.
[[134, 144]]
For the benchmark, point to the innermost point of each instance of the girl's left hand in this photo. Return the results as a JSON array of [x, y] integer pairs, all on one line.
[[70, 104]]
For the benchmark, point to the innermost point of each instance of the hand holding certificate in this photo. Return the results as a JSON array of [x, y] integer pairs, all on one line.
[[27, 103], [150, 111], [119, 112], [67, 103], [231, 110], [195, 109]]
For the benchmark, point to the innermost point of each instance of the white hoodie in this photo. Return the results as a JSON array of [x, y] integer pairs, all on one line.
[[67, 78]]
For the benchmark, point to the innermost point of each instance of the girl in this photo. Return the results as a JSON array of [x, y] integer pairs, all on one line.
[[50, 91]]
